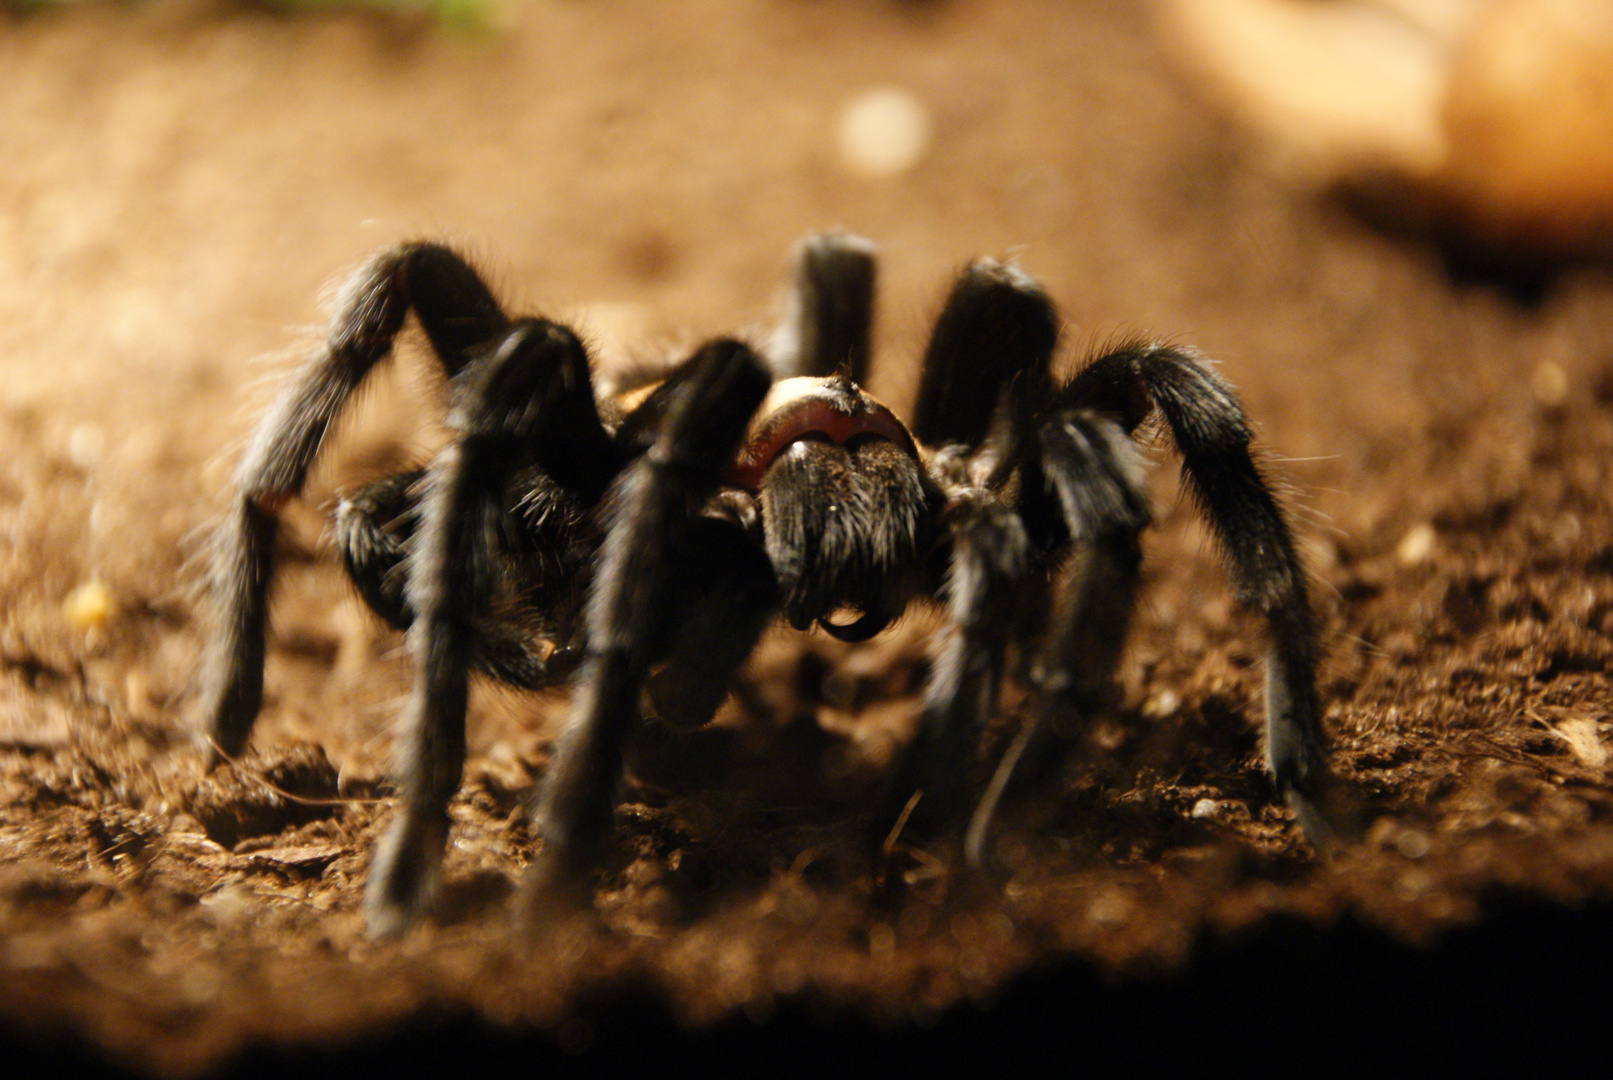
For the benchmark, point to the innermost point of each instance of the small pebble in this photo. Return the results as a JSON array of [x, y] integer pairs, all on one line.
[[1412, 843], [229, 902], [90, 606], [1583, 739], [1111, 908], [1163, 704], [1417, 545]]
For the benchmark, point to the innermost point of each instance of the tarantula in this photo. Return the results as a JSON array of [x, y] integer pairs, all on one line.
[[637, 545]]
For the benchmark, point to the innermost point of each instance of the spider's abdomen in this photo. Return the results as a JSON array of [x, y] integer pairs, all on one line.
[[844, 506]]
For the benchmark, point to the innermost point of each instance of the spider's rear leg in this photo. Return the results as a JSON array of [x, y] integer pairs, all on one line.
[[828, 328], [991, 346], [1210, 430], [458, 313], [528, 400], [654, 552]]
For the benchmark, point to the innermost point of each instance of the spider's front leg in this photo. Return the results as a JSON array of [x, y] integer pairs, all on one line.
[[528, 401], [671, 583], [1081, 486], [985, 367]]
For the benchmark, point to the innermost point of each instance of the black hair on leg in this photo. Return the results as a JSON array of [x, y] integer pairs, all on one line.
[[829, 327], [502, 415], [1208, 426], [1088, 468], [995, 336], [988, 565], [627, 617], [455, 308]]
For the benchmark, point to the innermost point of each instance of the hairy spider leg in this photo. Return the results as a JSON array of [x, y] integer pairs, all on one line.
[[1087, 466], [458, 313], [632, 614], [828, 329], [528, 400], [373, 529], [991, 345], [1211, 433], [985, 366], [988, 565]]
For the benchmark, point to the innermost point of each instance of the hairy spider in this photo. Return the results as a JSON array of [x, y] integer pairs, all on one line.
[[637, 546]]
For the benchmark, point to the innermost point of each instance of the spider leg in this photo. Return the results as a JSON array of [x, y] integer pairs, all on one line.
[[458, 313], [629, 618], [1212, 434], [828, 327], [529, 399], [1089, 467], [722, 599], [373, 527], [995, 337], [989, 563], [986, 360]]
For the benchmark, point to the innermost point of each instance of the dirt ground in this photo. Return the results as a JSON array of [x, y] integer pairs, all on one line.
[[181, 186]]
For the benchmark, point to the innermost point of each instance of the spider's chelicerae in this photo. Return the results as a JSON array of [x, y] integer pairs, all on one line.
[[637, 546]]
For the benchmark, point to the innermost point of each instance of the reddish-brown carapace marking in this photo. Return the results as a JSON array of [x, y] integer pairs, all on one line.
[[803, 407]]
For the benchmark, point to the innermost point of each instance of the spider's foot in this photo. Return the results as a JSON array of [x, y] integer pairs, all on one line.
[[556, 891], [1326, 815], [226, 725], [405, 876], [214, 756]]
